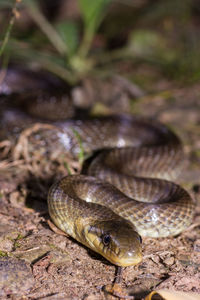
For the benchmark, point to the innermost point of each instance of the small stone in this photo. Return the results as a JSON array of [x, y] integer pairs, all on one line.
[[197, 245], [169, 261], [15, 277]]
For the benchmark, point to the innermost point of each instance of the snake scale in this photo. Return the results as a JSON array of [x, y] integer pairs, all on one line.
[[126, 192]]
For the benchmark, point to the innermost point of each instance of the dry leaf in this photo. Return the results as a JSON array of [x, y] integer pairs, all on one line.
[[173, 295]]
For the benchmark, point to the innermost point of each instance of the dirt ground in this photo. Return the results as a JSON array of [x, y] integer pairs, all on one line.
[[37, 263]]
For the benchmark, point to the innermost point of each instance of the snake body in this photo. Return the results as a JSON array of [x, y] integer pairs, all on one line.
[[126, 191]]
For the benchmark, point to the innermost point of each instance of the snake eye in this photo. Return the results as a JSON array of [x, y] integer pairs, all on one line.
[[140, 239], [106, 239]]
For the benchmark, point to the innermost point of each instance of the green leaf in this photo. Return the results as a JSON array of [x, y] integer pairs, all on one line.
[[69, 32], [45, 26], [93, 12], [81, 154]]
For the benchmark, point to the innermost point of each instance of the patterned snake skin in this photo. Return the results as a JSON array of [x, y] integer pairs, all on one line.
[[126, 191]]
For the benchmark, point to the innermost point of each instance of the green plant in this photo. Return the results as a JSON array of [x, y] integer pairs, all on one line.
[[14, 15], [71, 59], [65, 48]]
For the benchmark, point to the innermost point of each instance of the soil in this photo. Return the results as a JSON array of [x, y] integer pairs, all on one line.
[[38, 263]]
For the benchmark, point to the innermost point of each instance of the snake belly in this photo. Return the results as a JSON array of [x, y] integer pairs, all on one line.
[[127, 191]]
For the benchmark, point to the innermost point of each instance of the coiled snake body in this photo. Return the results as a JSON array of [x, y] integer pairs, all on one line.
[[126, 192]]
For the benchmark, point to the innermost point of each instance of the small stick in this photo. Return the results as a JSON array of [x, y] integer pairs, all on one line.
[[115, 289], [118, 275], [15, 14]]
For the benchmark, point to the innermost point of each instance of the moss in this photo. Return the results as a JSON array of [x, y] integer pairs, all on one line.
[[3, 254]]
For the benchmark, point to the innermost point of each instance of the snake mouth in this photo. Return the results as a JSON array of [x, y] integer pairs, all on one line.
[[126, 261]]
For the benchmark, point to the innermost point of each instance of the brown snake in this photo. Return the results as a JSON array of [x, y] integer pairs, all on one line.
[[126, 192]]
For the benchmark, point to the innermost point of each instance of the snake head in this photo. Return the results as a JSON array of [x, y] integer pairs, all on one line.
[[116, 240]]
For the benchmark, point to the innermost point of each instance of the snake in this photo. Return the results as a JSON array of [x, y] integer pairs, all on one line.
[[127, 190]]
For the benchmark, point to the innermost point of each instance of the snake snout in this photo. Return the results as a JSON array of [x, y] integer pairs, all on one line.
[[130, 250]]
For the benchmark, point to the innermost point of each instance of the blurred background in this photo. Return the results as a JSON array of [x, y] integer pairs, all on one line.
[[141, 39]]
